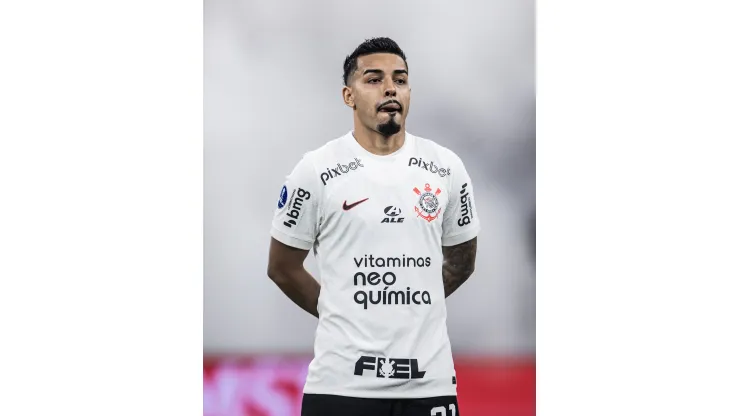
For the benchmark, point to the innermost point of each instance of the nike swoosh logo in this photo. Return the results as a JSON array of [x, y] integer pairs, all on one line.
[[350, 206]]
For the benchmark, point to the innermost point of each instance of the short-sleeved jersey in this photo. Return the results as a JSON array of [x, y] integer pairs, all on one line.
[[377, 225]]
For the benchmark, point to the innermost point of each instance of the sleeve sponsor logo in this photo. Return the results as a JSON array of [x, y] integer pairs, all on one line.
[[283, 197], [466, 207], [332, 173], [295, 205], [429, 166]]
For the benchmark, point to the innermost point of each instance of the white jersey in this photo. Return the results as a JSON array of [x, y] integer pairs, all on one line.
[[377, 225]]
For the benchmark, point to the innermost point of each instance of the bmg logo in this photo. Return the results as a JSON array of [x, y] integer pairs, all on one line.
[[404, 368], [295, 204], [466, 207]]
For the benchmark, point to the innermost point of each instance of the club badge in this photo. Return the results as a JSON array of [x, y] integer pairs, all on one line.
[[428, 205]]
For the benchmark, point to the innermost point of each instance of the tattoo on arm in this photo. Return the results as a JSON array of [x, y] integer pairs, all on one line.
[[458, 264]]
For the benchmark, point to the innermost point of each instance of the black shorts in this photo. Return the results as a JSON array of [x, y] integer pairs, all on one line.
[[330, 405]]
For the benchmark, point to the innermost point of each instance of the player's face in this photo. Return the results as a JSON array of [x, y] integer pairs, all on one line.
[[380, 93]]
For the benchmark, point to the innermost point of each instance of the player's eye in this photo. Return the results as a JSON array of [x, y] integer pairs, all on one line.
[[401, 81], [373, 80]]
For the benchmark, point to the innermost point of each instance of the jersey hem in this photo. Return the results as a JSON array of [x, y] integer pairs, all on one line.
[[290, 240], [381, 395]]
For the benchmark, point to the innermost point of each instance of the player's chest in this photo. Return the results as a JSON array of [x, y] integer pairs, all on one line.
[[387, 197]]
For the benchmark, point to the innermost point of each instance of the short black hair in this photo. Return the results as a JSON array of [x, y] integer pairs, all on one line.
[[370, 46]]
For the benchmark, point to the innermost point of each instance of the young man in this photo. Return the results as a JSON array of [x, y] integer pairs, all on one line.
[[393, 225]]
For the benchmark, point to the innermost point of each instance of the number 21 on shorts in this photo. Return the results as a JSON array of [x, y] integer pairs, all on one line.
[[441, 411]]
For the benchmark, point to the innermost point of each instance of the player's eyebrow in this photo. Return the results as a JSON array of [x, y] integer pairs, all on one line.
[[380, 71]]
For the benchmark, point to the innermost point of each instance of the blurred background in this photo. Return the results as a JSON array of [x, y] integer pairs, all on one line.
[[273, 78]]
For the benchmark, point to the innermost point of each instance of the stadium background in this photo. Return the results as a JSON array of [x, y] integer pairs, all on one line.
[[272, 92]]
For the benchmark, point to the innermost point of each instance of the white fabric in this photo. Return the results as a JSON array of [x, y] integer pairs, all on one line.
[[380, 262]]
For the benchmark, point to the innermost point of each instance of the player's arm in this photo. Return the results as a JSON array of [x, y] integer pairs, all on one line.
[[458, 264], [294, 231], [459, 231], [285, 268]]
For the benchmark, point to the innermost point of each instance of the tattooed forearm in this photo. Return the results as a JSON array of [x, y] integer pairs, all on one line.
[[458, 264]]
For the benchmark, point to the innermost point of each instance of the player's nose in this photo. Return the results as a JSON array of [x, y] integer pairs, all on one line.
[[390, 90]]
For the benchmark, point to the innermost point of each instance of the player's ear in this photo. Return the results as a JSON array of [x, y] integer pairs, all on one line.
[[348, 97]]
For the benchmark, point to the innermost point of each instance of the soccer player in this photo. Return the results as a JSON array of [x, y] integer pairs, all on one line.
[[392, 222]]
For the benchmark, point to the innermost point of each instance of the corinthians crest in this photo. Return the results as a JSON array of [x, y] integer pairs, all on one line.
[[428, 205]]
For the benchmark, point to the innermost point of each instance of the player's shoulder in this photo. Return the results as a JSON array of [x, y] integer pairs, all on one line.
[[326, 152], [429, 148]]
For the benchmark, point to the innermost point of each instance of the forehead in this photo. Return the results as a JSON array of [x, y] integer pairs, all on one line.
[[388, 62]]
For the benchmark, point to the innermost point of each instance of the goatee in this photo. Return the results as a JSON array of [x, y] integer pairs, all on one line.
[[389, 129]]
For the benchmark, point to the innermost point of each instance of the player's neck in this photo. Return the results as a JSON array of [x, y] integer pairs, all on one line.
[[376, 143]]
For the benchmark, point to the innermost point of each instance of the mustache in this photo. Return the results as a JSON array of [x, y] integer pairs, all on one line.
[[390, 102]]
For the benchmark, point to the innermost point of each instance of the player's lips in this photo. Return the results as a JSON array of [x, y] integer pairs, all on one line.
[[391, 106]]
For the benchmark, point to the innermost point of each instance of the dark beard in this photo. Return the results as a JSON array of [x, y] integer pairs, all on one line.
[[389, 129]]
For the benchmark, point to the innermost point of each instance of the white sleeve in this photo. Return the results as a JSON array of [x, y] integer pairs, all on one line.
[[296, 216], [460, 223]]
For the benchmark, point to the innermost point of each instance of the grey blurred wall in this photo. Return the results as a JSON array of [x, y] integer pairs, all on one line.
[[273, 91]]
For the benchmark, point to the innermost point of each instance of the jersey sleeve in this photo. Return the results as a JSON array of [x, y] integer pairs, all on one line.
[[460, 222], [295, 220]]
